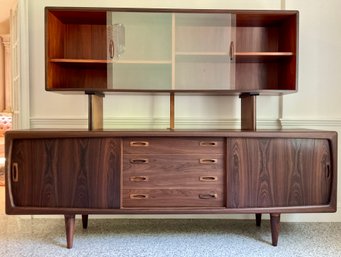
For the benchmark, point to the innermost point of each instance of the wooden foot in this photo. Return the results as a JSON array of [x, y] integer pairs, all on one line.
[[275, 227], [258, 219], [70, 229], [85, 221]]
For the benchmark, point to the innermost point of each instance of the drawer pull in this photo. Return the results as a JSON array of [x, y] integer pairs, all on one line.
[[208, 178], [139, 178], [210, 143], [15, 172], [139, 143], [139, 161], [208, 196], [208, 161], [139, 196]]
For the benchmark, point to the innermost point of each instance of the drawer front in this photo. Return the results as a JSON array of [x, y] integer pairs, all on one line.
[[140, 171], [173, 145], [173, 197]]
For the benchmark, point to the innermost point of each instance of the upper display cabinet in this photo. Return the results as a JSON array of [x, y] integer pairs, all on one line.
[[171, 50]]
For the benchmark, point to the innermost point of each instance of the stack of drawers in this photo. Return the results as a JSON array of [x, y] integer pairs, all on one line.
[[174, 172]]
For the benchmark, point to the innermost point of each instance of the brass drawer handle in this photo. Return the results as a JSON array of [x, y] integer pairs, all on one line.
[[139, 143], [208, 143], [139, 178], [139, 196], [208, 178], [208, 161], [15, 172], [139, 161], [208, 196]]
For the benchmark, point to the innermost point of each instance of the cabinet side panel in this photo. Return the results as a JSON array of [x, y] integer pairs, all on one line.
[[55, 37]]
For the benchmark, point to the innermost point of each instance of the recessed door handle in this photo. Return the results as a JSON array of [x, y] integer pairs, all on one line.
[[208, 178], [209, 143], [15, 172], [327, 170], [139, 178], [208, 196], [208, 161], [139, 196], [231, 50], [139, 161], [111, 49], [139, 143]]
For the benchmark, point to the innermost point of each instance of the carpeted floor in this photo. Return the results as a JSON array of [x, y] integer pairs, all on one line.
[[140, 237]]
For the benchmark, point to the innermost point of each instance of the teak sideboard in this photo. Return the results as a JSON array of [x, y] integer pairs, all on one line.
[[100, 51]]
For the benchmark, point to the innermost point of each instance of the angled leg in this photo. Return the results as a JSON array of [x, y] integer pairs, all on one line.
[[275, 227], [70, 229], [258, 219], [85, 221]]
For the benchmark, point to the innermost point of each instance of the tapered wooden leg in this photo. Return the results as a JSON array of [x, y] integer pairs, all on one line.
[[70, 229], [258, 219], [275, 227], [85, 221]]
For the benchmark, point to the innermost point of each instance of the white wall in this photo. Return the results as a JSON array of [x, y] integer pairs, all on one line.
[[316, 105]]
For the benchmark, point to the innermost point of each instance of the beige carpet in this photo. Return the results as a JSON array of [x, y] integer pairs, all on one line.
[[167, 238]]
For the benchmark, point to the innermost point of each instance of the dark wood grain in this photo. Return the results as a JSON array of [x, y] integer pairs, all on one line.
[[248, 112], [189, 197], [258, 219], [189, 145], [81, 173], [277, 172], [279, 148], [275, 227], [85, 219], [173, 171], [70, 229]]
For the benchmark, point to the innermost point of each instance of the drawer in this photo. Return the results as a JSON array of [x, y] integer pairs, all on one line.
[[173, 145], [140, 171], [172, 163], [173, 197], [170, 179]]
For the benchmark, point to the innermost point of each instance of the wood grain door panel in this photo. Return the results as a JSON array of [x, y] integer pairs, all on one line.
[[272, 172], [70, 173]]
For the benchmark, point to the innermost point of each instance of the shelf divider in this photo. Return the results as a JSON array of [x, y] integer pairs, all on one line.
[[248, 111], [95, 110], [171, 111]]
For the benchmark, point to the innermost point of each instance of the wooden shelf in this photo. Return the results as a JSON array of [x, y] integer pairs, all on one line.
[[261, 56], [86, 61]]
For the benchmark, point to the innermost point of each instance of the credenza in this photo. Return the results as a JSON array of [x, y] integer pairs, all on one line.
[[170, 172]]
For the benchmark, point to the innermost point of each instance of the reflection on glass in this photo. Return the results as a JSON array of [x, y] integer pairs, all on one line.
[[116, 39]]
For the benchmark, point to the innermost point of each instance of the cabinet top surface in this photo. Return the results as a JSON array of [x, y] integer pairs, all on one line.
[[38, 133]]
